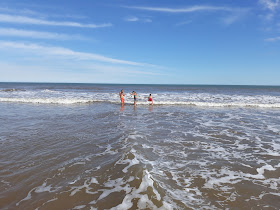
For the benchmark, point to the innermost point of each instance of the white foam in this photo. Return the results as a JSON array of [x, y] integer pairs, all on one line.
[[86, 185], [73, 182], [231, 177], [266, 167], [144, 201], [79, 207], [278, 165], [184, 98], [273, 183], [274, 128], [50, 91], [26, 198], [275, 152], [49, 201], [132, 162], [116, 186], [44, 188], [260, 171], [47, 100], [39, 189], [78, 163], [94, 180], [276, 146], [277, 194], [108, 150]]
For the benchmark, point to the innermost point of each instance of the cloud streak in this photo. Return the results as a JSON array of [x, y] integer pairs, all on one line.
[[271, 7], [4, 18], [234, 13], [235, 16], [270, 4], [38, 34], [131, 19], [137, 19], [273, 39], [182, 10], [28, 12], [66, 53], [76, 72]]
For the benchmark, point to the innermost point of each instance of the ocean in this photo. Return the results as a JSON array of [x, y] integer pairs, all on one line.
[[73, 146]]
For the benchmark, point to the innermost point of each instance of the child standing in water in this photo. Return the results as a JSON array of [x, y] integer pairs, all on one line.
[[122, 97], [135, 97], [151, 99]]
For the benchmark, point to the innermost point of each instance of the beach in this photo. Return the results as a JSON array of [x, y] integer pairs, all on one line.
[[73, 146]]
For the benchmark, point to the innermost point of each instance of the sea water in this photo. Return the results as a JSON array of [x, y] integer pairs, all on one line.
[[73, 146]]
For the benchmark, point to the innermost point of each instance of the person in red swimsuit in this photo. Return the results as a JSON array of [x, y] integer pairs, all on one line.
[[122, 97], [151, 99]]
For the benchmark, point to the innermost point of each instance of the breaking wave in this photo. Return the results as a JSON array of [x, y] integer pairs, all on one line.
[[11, 90], [174, 103], [48, 96]]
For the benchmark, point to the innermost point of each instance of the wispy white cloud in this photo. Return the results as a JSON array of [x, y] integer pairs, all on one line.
[[19, 11], [131, 19], [38, 34], [271, 7], [137, 19], [182, 10], [77, 72], [66, 53], [273, 39], [30, 20], [270, 4], [235, 16], [29, 12]]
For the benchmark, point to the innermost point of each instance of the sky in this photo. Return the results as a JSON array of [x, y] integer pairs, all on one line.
[[232, 42]]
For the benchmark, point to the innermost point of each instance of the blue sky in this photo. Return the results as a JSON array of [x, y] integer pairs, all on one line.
[[147, 42]]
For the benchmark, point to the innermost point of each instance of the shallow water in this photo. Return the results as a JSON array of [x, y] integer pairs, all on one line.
[[188, 95], [104, 156]]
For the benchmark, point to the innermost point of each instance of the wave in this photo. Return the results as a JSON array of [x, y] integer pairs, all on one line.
[[51, 96], [215, 104], [48, 100], [173, 103], [50, 91], [12, 90]]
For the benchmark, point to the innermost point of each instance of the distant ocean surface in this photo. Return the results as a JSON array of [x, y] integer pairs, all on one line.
[[73, 146]]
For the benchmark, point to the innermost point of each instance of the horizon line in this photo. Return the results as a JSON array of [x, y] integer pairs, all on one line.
[[104, 83]]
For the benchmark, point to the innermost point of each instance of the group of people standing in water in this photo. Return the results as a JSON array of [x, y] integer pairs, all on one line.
[[150, 98]]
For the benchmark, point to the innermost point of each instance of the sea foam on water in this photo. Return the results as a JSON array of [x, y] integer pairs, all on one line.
[[197, 147]]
